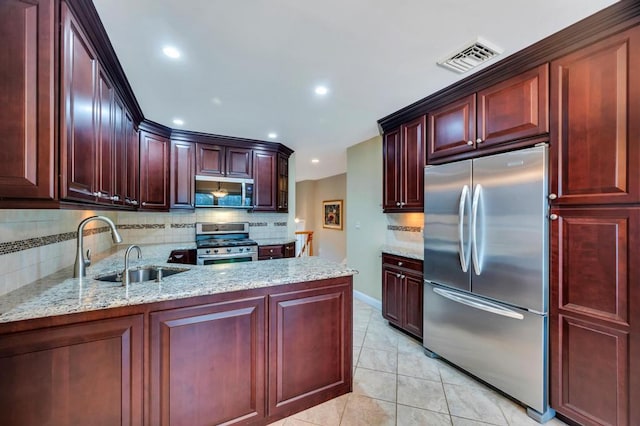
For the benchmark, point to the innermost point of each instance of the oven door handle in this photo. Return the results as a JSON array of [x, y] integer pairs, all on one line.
[[225, 255]]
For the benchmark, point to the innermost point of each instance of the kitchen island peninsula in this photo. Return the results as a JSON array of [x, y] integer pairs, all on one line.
[[224, 344]]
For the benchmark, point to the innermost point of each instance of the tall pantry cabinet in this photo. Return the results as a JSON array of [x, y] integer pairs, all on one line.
[[595, 232]]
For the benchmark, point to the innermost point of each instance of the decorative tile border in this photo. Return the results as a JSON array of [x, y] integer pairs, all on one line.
[[279, 223], [258, 224], [183, 225], [29, 243], [404, 228], [142, 226]]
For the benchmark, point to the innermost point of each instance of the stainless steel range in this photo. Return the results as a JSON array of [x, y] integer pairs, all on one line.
[[224, 243]]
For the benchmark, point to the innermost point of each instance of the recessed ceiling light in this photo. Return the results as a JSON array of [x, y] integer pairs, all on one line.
[[171, 52], [272, 135], [321, 90], [315, 160], [178, 122]]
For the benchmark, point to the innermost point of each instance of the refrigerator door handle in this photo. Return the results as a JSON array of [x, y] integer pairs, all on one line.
[[475, 255], [464, 262], [478, 304]]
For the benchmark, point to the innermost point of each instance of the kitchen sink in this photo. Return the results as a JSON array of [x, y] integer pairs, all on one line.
[[148, 273]]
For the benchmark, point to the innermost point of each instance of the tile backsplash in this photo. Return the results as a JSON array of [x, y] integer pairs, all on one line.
[[405, 230], [36, 243]]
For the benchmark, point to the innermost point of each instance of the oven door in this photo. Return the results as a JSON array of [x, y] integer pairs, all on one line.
[[208, 259]]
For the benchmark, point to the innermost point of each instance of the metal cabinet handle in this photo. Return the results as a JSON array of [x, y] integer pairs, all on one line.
[[552, 196], [397, 275], [462, 253], [469, 142], [479, 140], [553, 216], [115, 198], [144, 203], [399, 263], [398, 203], [95, 194], [134, 202]]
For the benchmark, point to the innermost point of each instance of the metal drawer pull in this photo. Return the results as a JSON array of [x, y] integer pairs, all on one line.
[[477, 304]]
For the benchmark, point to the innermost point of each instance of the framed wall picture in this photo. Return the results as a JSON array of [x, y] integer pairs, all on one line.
[[332, 213]]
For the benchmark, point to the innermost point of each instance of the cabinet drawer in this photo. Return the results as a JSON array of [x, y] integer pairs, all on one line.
[[402, 262], [270, 252]]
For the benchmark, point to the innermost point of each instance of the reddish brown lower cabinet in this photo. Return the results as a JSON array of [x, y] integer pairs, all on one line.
[[207, 364], [309, 337], [595, 315], [82, 374], [402, 293]]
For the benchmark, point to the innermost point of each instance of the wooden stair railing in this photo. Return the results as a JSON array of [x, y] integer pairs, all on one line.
[[307, 246]]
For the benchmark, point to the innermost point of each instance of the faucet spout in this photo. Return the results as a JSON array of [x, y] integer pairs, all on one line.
[[80, 264], [125, 274]]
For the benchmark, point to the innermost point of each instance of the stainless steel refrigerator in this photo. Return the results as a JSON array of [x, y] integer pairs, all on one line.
[[486, 271]]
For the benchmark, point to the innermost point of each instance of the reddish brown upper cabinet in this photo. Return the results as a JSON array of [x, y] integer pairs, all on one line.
[[90, 373], [27, 85], [595, 105], [265, 194], [402, 290], [595, 315], [105, 140], [183, 157], [227, 161], [283, 183], [154, 171], [515, 110], [403, 168], [79, 73]]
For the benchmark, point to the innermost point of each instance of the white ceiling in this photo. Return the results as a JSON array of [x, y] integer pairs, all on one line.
[[250, 67]]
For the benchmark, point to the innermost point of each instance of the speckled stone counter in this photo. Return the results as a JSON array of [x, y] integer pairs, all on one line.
[[410, 252], [274, 241], [57, 294]]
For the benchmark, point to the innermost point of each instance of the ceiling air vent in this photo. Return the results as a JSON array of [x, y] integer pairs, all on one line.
[[470, 56]]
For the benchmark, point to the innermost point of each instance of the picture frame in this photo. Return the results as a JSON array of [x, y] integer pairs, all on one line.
[[332, 214]]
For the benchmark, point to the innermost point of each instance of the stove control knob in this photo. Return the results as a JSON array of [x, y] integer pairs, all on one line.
[[207, 251], [228, 250], [241, 249], [215, 250]]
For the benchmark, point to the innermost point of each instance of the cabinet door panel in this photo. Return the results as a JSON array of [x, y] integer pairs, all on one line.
[[514, 109], [392, 307], [451, 128], [594, 373], [78, 107], [283, 183], [207, 364], [413, 135], [595, 102], [392, 154], [105, 138], [264, 179], [209, 160], [413, 318], [27, 85], [310, 341], [97, 364], [120, 153], [132, 195], [182, 175], [154, 162], [239, 162]]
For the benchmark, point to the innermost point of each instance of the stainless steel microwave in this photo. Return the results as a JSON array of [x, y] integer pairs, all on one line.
[[224, 192]]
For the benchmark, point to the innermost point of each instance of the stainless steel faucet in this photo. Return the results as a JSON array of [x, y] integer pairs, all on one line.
[[80, 265], [126, 278]]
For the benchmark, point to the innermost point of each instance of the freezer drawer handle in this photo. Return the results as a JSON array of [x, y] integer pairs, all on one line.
[[475, 255], [475, 303], [464, 262]]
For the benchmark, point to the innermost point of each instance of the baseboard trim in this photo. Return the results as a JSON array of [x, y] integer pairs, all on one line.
[[371, 301]]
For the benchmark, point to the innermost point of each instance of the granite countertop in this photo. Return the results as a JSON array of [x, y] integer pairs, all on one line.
[[410, 252], [57, 294], [274, 241]]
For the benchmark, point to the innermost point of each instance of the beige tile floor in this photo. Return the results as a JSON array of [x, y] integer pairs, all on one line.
[[396, 384]]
